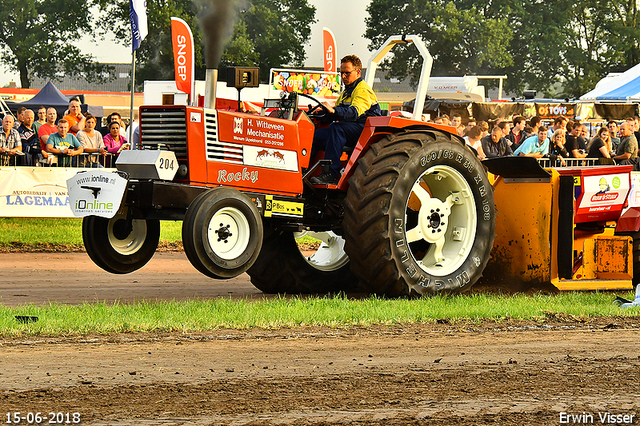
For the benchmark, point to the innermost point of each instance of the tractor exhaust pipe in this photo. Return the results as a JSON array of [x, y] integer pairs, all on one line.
[[210, 88]]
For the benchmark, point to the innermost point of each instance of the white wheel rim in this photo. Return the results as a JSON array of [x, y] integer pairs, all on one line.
[[443, 236], [132, 243], [228, 233], [330, 255]]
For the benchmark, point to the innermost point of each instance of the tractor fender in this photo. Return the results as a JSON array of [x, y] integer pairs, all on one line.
[[377, 128]]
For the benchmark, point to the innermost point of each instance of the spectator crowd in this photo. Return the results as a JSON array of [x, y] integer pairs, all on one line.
[[71, 141], [611, 143], [75, 140]]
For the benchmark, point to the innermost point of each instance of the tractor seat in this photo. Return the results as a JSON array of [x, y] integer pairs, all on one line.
[[349, 149]]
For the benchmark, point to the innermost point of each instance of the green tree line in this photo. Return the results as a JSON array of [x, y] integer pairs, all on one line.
[[557, 47]]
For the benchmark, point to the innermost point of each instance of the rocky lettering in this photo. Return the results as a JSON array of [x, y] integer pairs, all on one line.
[[245, 176]]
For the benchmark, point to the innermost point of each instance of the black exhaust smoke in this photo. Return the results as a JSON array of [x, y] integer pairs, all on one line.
[[217, 19]]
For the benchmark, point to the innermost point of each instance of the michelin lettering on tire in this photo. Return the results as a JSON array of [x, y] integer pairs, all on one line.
[[412, 270]]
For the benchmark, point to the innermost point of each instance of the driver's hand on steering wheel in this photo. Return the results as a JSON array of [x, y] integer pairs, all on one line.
[[328, 106]]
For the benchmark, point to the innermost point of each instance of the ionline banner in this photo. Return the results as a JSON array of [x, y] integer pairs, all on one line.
[[35, 191]]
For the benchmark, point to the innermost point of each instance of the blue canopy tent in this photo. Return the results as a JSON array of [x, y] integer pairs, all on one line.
[[618, 88], [616, 96], [50, 96], [627, 92]]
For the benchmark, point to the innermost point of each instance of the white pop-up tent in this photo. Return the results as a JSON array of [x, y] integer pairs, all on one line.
[[619, 88]]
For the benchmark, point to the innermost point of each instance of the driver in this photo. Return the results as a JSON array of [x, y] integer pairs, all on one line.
[[353, 106]]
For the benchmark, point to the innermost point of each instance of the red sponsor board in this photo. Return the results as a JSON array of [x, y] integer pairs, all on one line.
[[548, 111], [271, 150], [600, 191]]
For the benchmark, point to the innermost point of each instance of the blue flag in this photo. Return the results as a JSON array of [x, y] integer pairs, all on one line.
[[138, 18]]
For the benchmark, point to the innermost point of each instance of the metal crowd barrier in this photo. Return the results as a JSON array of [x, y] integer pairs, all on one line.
[[109, 160], [82, 160], [567, 162]]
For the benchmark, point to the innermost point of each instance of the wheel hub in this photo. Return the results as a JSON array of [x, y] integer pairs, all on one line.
[[224, 233], [126, 237], [228, 233], [436, 216], [122, 228], [435, 220]]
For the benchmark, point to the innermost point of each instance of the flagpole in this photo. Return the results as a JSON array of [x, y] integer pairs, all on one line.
[[139, 30], [133, 81]]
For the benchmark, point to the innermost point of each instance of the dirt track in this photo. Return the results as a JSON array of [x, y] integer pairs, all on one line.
[[509, 373], [74, 278]]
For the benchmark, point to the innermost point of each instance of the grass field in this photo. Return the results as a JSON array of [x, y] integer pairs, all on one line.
[[62, 232], [68, 232], [339, 311]]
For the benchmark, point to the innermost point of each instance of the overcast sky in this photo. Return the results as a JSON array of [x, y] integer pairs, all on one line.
[[345, 18]]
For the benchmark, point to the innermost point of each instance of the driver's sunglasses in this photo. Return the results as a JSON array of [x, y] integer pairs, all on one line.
[[347, 72]]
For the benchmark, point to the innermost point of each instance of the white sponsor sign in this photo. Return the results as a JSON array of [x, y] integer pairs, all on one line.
[[270, 158], [35, 191], [96, 193], [601, 193]]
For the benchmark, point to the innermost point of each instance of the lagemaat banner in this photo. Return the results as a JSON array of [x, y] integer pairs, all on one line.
[[35, 191]]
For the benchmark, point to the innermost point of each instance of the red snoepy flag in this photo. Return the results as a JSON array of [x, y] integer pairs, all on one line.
[[329, 51], [183, 57]]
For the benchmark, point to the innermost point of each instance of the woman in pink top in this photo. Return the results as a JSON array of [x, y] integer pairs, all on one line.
[[114, 141]]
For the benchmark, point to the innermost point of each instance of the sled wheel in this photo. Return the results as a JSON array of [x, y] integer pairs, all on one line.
[[419, 216], [120, 245], [222, 233], [283, 267]]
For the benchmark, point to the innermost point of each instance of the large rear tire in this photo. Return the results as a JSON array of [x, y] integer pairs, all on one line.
[[222, 233], [283, 268], [120, 245], [419, 216]]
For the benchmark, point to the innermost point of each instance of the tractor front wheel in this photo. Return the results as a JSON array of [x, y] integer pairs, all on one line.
[[222, 233], [120, 245]]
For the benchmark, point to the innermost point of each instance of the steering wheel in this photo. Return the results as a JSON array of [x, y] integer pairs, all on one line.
[[313, 109]]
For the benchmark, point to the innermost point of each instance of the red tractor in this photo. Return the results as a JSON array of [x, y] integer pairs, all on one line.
[[412, 214]]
